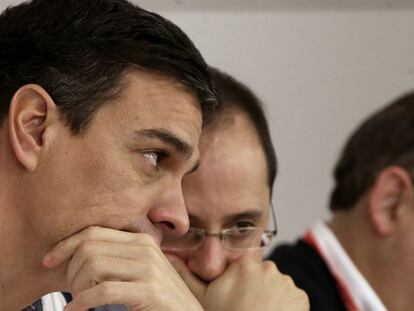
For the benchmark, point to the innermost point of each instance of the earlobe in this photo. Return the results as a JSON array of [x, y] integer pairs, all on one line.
[[388, 199], [28, 119]]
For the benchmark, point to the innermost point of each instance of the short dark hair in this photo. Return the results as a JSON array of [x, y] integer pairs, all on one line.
[[234, 94], [384, 139], [78, 51]]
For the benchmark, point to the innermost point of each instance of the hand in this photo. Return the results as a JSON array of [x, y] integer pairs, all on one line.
[[247, 284], [108, 266]]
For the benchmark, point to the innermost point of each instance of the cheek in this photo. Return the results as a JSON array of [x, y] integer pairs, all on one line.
[[122, 209], [111, 191], [125, 209], [82, 185]]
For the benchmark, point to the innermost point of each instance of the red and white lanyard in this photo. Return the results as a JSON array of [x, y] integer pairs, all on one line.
[[344, 291]]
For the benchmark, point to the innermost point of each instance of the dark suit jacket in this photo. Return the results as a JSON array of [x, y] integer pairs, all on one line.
[[310, 273]]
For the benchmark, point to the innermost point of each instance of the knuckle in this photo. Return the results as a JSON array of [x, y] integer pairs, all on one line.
[[303, 297], [91, 232], [153, 272], [288, 280], [86, 247], [269, 266], [285, 280], [246, 265], [94, 265], [150, 251], [144, 238], [107, 289], [81, 299], [153, 286]]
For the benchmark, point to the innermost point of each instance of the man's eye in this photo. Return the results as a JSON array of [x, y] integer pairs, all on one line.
[[153, 157], [245, 224]]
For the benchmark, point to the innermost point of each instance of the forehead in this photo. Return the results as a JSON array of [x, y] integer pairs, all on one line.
[[151, 100], [232, 177]]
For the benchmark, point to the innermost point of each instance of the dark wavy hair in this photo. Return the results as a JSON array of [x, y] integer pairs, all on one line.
[[78, 51], [384, 139]]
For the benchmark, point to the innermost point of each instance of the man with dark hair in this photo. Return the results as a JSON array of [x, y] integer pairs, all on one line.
[[101, 108], [228, 201], [363, 258]]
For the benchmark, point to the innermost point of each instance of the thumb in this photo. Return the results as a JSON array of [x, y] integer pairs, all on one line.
[[197, 286]]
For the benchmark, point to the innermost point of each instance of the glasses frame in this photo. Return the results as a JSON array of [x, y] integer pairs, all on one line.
[[221, 235]]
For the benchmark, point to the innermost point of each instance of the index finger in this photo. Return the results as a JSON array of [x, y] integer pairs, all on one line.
[[66, 248]]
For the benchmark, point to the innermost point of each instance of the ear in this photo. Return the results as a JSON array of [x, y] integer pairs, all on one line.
[[389, 198], [29, 113]]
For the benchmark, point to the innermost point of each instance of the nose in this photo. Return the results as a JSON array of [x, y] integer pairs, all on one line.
[[210, 260], [169, 212]]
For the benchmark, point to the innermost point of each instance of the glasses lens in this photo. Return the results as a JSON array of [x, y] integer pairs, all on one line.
[[191, 240], [245, 238]]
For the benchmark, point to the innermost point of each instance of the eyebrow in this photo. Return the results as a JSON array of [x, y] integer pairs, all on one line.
[[251, 214], [179, 144]]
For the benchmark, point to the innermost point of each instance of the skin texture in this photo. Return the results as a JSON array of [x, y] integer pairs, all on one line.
[[57, 184], [230, 189], [108, 266], [381, 242]]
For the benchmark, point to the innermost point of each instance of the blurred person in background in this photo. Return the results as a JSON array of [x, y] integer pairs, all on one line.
[[362, 259]]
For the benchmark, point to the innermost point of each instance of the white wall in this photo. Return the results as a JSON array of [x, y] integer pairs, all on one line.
[[319, 72]]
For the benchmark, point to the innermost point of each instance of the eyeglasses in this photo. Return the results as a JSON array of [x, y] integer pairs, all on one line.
[[237, 238], [244, 238]]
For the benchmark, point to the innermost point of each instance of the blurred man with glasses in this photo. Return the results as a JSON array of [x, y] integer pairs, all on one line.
[[231, 219]]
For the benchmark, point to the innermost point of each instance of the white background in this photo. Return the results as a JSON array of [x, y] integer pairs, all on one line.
[[319, 66]]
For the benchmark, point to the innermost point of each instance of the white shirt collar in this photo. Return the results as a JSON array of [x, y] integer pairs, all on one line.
[[342, 266], [53, 302]]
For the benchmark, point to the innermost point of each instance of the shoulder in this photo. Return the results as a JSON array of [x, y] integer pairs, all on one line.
[[300, 257], [302, 263], [310, 273]]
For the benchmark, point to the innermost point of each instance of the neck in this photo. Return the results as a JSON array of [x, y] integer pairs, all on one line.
[[376, 258], [23, 279]]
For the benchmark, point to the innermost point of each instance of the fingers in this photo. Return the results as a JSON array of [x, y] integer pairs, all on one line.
[[97, 261], [137, 296], [244, 265], [130, 294], [253, 267], [248, 283], [90, 252], [113, 267], [66, 248], [97, 270], [302, 300], [197, 286]]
